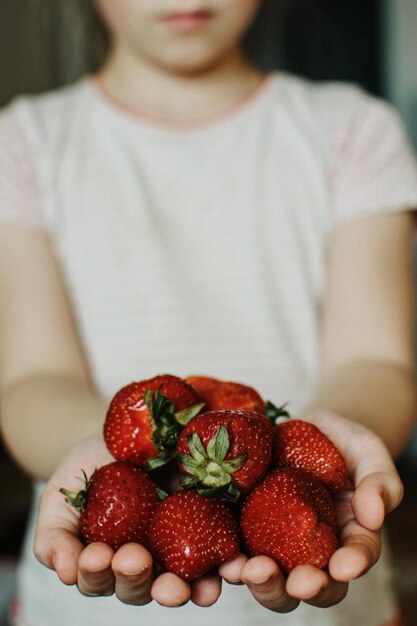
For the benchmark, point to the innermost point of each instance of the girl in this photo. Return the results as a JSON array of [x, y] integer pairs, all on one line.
[[181, 211]]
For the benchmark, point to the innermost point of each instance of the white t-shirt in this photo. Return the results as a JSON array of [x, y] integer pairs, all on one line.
[[201, 248]]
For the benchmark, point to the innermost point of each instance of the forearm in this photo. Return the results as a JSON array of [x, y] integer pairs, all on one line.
[[377, 394], [43, 416]]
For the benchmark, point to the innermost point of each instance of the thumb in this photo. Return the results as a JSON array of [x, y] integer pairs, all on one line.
[[377, 494]]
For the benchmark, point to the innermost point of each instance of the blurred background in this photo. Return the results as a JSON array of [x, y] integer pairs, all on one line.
[[47, 43]]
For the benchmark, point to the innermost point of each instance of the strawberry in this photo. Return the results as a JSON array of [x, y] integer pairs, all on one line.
[[225, 453], [116, 504], [301, 444], [145, 418], [219, 394], [291, 518], [190, 534]]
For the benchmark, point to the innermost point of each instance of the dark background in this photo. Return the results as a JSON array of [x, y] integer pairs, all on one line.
[[322, 39]]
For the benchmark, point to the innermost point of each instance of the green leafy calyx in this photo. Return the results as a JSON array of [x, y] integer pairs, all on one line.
[[274, 412], [78, 499], [207, 470], [168, 424]]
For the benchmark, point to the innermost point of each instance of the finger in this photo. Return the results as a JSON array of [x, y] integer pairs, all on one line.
[[231, 570], [170, 590], [370, 466], [267, 584], [377, 494], [133, 569], [376, 480], [315, 587], [360, 550], [206, 590], [95, 575], [59, 549]]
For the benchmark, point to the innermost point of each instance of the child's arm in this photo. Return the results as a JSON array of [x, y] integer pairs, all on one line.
[[51, 419], [48, 401], [368, 377], [368, 345]]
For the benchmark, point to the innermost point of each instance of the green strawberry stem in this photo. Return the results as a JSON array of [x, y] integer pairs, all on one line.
[[273, 412], [168, 425], [77, 499], [207, 470], [231, 494], [158, 461], [186, 415], [161, 494]]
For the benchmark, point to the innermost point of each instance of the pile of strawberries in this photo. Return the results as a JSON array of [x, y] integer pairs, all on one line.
[[204, 469]]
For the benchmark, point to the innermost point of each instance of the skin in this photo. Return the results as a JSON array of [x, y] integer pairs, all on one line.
[[204, 71], [44, 375]]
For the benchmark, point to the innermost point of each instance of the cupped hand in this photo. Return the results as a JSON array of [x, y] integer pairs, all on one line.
[[375, 490], [97, 569]]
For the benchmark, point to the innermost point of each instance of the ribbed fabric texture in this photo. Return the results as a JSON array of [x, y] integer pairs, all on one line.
[[201, 249]]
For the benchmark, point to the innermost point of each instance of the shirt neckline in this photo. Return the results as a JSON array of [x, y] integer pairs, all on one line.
[[132, 116]]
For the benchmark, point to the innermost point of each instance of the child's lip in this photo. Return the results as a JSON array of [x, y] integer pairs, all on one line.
[[188, 20]]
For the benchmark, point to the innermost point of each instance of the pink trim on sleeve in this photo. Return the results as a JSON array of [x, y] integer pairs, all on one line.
[[20, 194], [373, 168]]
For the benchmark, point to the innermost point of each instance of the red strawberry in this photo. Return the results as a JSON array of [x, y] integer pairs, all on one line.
[[301, 444], [145, 418], [190, 534], [291, 518], [225, 453], [219, 394], [116, 505]]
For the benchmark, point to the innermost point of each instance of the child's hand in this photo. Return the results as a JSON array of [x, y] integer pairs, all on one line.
[[97, 569], [361, 510], [129, 572]]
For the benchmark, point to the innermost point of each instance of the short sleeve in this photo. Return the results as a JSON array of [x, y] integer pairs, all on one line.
[[20, 189], [373, 167]]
